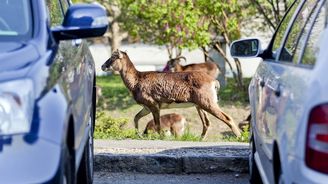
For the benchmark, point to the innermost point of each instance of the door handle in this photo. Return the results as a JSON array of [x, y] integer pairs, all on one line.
[[277, 92], [275, 87], [262, 83]]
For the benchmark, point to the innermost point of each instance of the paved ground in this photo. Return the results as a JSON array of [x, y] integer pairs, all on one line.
[[139, 178]]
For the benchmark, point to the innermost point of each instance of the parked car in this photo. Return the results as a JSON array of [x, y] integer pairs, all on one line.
[[289, 99], [47, 90]]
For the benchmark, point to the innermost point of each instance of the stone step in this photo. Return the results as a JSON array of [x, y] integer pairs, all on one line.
[[170, 157]]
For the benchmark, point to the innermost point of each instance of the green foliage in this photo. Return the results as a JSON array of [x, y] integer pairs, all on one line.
[[232, 94], [224, 16], [56, 16], [175, 23], [114, 93], [243, 138], [110, 128]]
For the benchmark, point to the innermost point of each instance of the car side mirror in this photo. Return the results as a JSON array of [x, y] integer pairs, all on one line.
[[245, 48], [82, 21]]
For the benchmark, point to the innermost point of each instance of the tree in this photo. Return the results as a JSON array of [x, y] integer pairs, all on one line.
[[270, 11], [224, 17], [177, 24], [114, 34]]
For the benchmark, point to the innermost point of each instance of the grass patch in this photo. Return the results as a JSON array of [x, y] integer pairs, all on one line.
[[114, 93], [229, 137], [114, 128], [232, 94], [117, 99]]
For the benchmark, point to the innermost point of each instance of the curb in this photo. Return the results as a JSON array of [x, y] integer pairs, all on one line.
[[172, 160], [157, 164]]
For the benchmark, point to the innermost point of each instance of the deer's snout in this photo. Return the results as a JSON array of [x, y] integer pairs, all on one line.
[[104, 67]]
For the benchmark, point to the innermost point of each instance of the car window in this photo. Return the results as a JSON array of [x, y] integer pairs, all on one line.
[[283, 26], [312, 46], [56, 9], [15, 20], [288, 50]]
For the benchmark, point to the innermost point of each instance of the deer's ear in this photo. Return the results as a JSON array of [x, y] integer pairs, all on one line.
[[120, 55]]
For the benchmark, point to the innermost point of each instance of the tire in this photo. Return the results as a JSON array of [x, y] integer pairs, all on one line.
[[85, 172], [254, 174], [67, 177], [281, 178]]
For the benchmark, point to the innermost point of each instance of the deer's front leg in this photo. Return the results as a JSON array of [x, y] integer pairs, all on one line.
[[140, 114]]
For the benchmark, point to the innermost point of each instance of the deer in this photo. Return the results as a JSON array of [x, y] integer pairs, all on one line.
[[155, 91], [208, 67], [171, 124]]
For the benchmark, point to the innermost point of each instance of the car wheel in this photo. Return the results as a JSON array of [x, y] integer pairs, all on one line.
[[281, 179], [253, 170], [68, 173], [85, 172]]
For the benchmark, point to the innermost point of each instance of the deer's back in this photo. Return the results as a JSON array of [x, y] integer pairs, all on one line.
[[171, 87]]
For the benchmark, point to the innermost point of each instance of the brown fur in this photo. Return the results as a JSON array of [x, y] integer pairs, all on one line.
[[208, 67], [172, 123], [155, 90]]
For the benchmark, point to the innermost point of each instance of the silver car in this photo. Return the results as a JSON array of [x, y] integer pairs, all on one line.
[[289, 98]]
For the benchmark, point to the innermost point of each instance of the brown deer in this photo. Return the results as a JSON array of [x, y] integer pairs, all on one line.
[[208, 67], [171, 124], [166, 90]]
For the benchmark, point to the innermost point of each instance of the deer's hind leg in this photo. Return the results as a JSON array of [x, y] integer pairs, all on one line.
[[215, 110], [205, 121]]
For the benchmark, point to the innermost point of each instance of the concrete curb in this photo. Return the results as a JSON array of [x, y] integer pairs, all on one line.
[[186, 158]]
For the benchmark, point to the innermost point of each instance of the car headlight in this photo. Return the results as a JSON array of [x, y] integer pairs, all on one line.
[[16, 106]]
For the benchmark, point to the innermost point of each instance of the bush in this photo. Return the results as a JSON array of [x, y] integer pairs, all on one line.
[[110, 128]]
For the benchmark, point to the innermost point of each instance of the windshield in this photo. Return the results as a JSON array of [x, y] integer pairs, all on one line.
[[15, 20]]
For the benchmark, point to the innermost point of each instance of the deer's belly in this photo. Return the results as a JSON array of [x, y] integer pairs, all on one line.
[[176, 105]]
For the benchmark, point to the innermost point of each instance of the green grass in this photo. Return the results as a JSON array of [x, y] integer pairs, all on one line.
[[114, 93], [232, 138], [117, 99], [114, 128], [232, 94]]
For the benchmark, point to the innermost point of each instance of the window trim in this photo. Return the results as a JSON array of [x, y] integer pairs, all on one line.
[[268, 52], [287, 31], [299, 62], [307, 21]]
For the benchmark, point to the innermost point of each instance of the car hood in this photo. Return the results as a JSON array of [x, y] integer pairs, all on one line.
[[16, 56]]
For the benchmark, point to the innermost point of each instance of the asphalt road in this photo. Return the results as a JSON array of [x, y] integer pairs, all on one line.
[[140, 178]]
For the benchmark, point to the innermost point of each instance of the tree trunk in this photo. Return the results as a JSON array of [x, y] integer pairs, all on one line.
[[115, 40]]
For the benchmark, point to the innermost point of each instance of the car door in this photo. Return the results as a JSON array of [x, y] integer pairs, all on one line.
[[283, 81], [266, 86], [76, 77]]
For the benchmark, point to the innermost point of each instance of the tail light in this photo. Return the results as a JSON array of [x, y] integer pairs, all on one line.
[[316, 153]]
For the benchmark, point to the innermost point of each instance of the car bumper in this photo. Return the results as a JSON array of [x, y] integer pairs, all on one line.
[[24, 162], [300, 173]]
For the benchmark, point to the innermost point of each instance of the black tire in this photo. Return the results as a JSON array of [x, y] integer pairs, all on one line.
[[254, 174], [281, 178], [85, 172], [67, 177]]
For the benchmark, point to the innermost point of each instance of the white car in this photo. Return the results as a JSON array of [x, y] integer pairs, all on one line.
[[289, 98]]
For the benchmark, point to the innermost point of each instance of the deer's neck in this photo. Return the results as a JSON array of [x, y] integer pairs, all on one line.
[[129, 75], [178, 68]]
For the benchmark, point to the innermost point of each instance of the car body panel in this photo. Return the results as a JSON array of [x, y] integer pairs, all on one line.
[[63, 82], [282, 94]]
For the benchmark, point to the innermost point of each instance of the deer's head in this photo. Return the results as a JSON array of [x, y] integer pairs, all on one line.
[[172, 63], [114, 63]]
